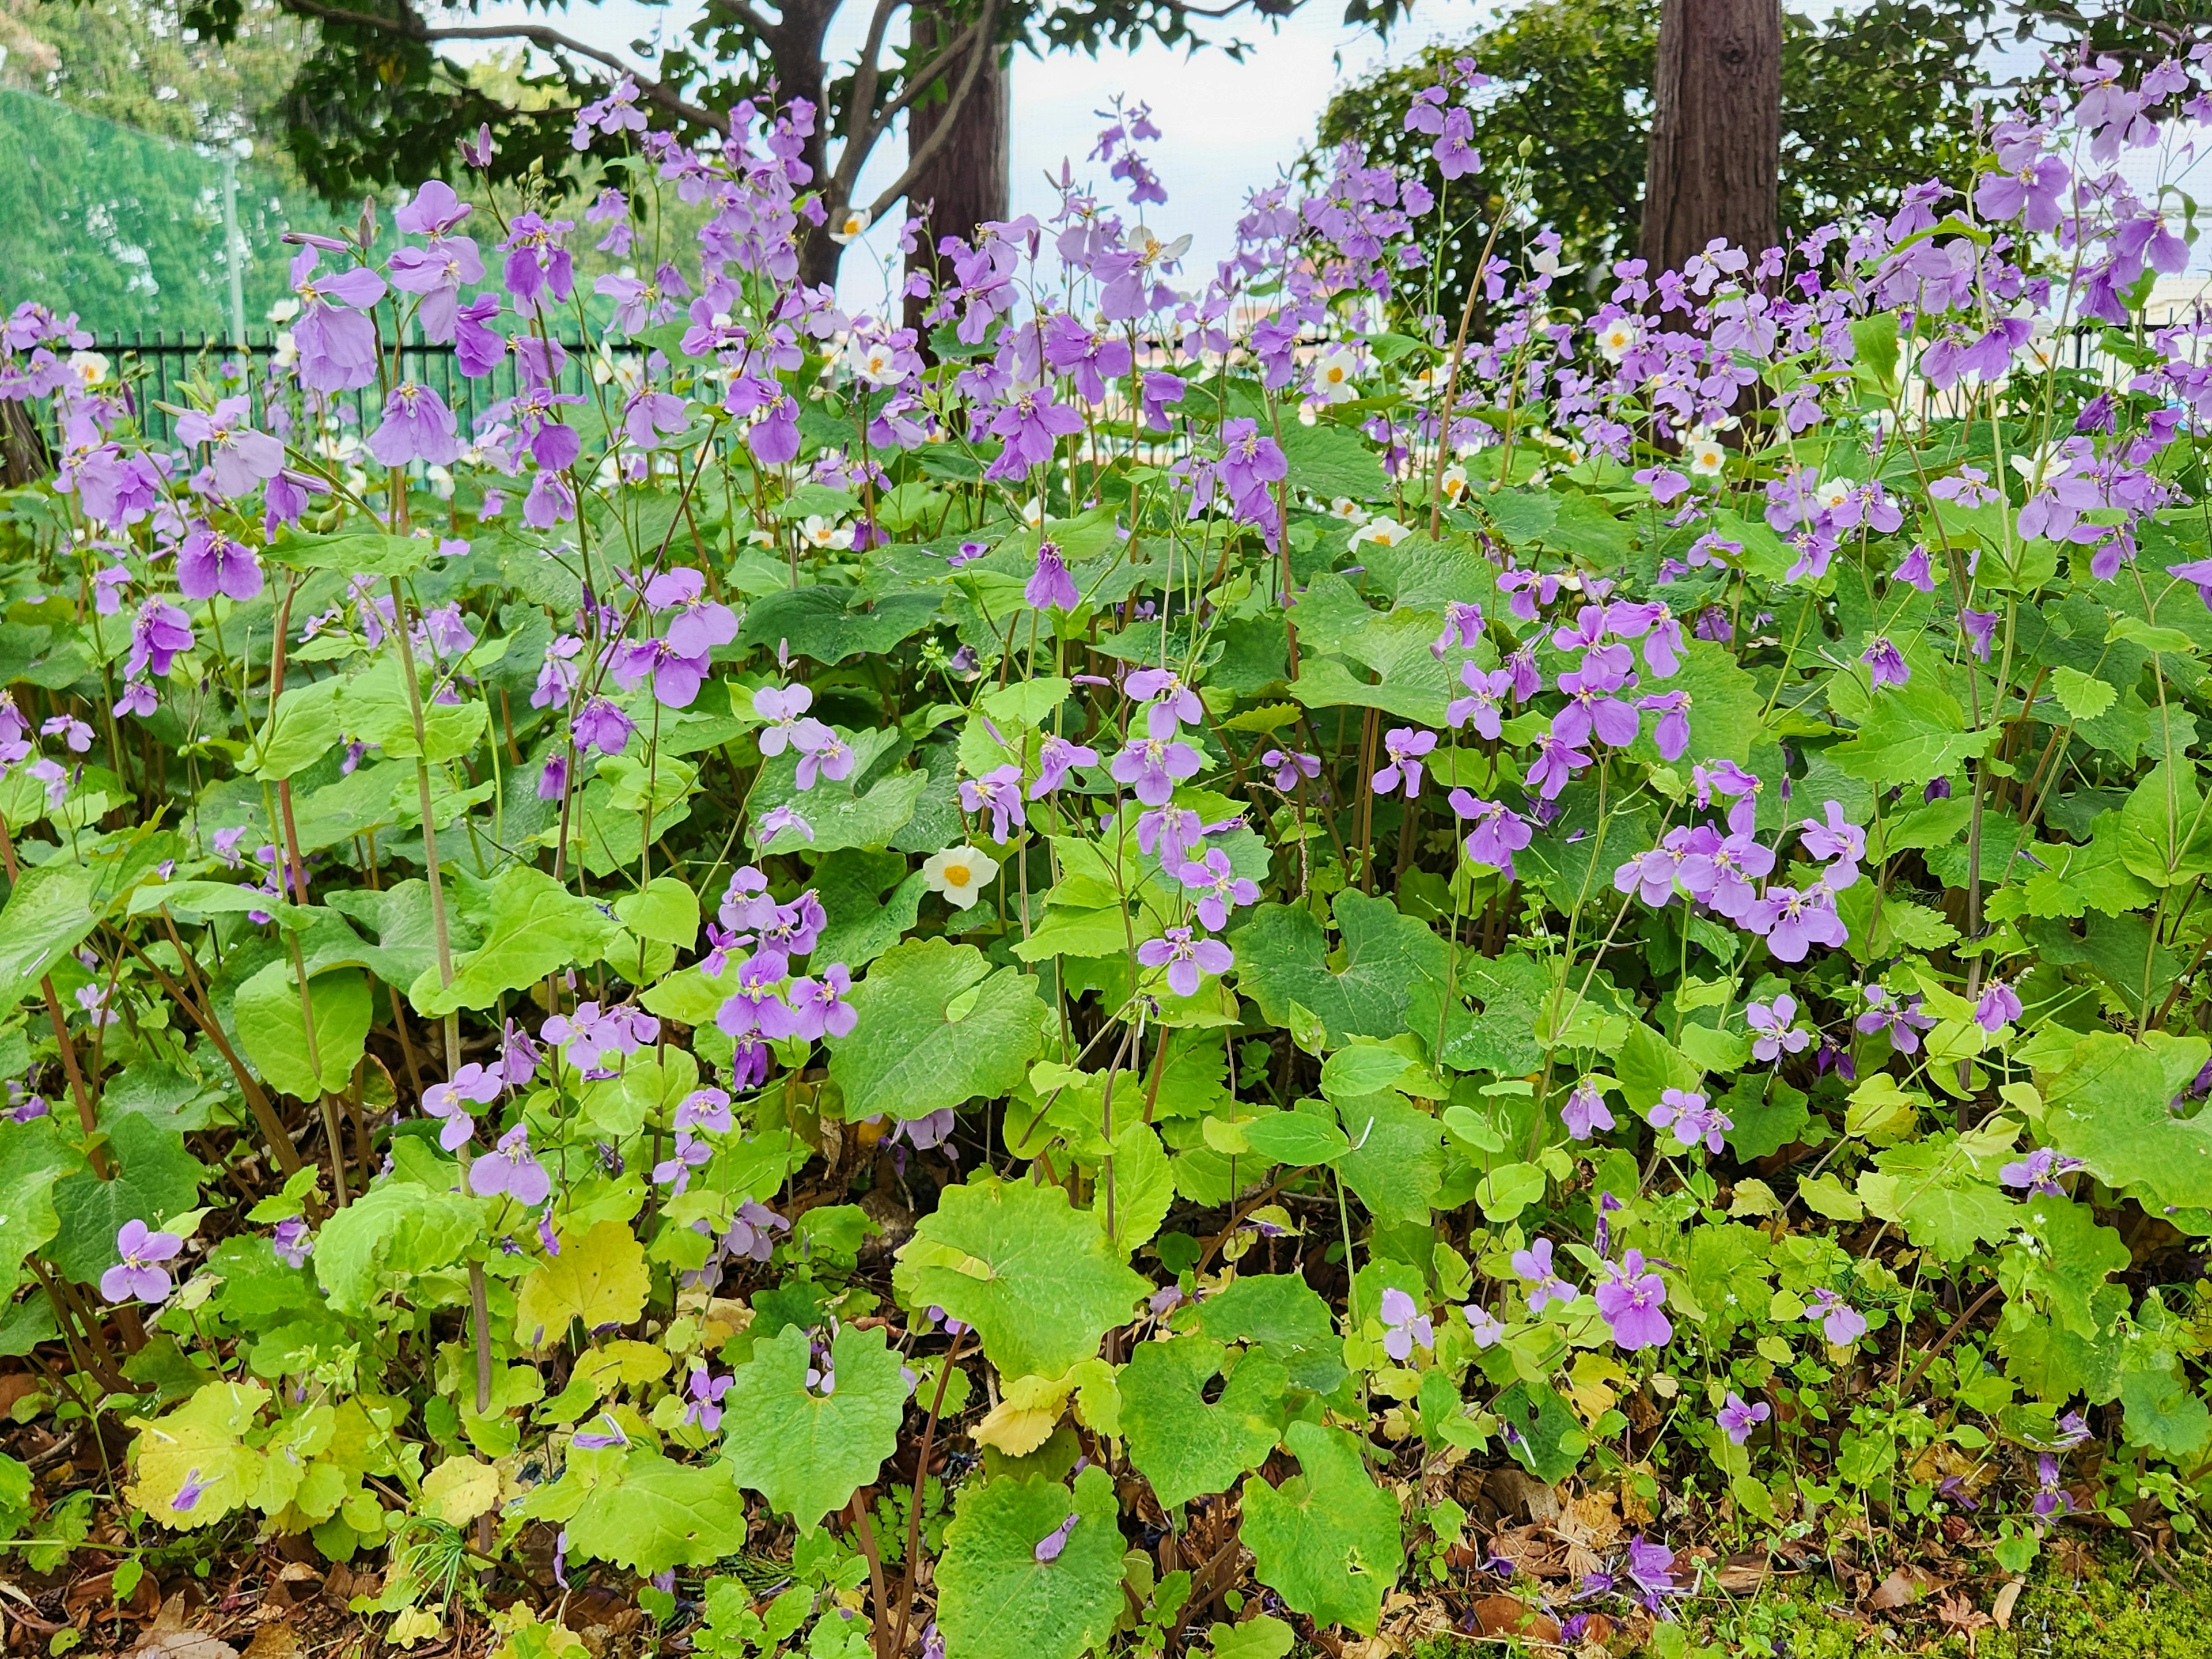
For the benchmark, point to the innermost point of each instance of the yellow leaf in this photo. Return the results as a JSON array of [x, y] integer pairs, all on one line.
[[458, 1490], [599, 1279], [1595, 1382], [1028, 1409], [613, 1363]]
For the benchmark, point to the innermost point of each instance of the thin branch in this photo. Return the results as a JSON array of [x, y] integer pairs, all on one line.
[[413, 28], [942, 132], [870, 126], [866, 78]]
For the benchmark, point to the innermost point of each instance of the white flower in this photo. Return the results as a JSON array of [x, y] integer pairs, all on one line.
[[89, 366], [288, 351], [960, 873], [284, 310], [872, 361], [850, 227], [1833, 492], [1033, 512], [1336, 376], [1348, 510], [1150, 250], [1617, 339], [1455, 482], [1384, 533], [818, 532], [1706, 457]]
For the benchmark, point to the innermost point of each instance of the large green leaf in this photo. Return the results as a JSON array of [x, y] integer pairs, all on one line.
[[841, 818], [1396, 1160], [50, 913], [831, 623], [2166, 829], [33, 1160], [396, 1228], [937, 1028], [1328, 1540], [1286, 1317], [997, 1601], [533, 927], [1912, 734], [1363, 989], [657, 1513], [274, 1030], [2110, 1109], [807, 1452], [1185, 1447], [1038, 1279]]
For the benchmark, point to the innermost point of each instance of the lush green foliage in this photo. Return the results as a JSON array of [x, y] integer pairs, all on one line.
[[939, 999]]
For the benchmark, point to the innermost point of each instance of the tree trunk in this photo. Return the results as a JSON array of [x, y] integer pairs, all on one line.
[[967, 180], [1716, 150]]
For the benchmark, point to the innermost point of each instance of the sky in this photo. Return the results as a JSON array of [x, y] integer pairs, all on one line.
[[1227, 126]]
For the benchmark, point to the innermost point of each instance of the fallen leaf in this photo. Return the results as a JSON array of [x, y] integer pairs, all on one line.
[[2008, 1598], [277, 1641], [1959, 1613], [1904, 1586], [18, 1385], [1501, 1615], [168, 1637], [1740, 1575]]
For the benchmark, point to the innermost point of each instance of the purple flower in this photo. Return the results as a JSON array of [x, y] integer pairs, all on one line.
[[690, 1153], [1498, 832], [1404, 1324], [1216, 879], [754, 1006], [480, 1084], [676, 677], [243, 457], [1651, 1565], [781, 707], [2052, 1499], [588, 1034], [1737, 1420], [815, 1007], [1585, 1112], [1630, 1299], [1900, 1016], [1840, 1323], [1693, 1120], [337, 340], [600, 724], [1913, 570], [1486, 695], [1049, 1547], [1290, 766], [1056, 756], [597, 1440], [705, 1108], [1186, 958], [700, 623], [1170, 701], [998, 792], [1153, 766], [1462, 629], [1533, 1265], [1778, 1033], [210, 562], [417, 427], [1487, 1329], [703, 1407], [1888, 665], [1980, 627], [138, 1275], [1556, 764], [189, 1494], [511, 1170], [1672, 735], [1841, 843], [1403, 748], [1792, 922], [1999, 1003], [1050, 586], [2041, 1172]]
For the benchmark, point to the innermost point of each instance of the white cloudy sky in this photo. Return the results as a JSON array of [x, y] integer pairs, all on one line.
[[1227, 125]]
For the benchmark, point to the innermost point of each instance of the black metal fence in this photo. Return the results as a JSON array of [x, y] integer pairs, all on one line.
[[158, 370]]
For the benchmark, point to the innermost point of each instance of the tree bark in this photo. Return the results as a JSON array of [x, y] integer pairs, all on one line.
[[969, 180], [1714, 165]]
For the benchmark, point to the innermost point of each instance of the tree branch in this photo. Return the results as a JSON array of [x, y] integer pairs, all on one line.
[[866, 78], [413, 28], [942, 132]]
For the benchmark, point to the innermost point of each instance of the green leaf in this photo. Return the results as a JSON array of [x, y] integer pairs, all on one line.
[[1364, 1068], [1912, 734], [864, 919], [34, 1159], [1396, 1160], [365, 553], [1930, 1187], [533, 927], [274, 1033], [1549, 1441], [1289, 1321], [1038, 1279], [656, 1515], [598, 1277], [831, 624], [2075, 1260], [841, 818], [2109, 1109], [997, 1601], [2161, 1412], [1299, 1140], [1185, 1447], [394, 1229], [807, 1452], [1330, 460], [405, 929], [301, 732], [2166, 831], [1328, 1540], [2083, 696], [917, 1050], [1508, 1189], [1363, 989], [156, 1178], [50, 913], [1144, 1186], [665, 911]]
